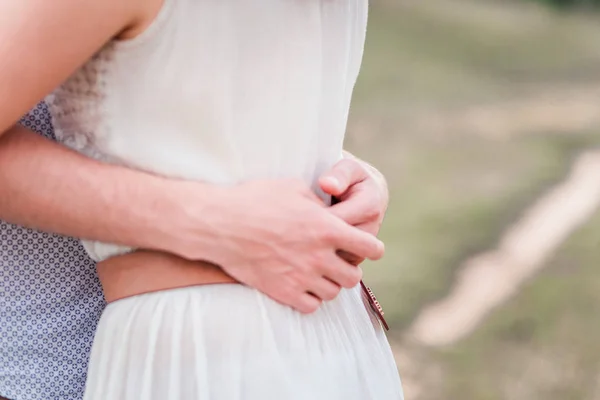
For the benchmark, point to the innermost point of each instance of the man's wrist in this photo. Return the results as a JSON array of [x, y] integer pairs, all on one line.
[[54, 189], [185, 218]]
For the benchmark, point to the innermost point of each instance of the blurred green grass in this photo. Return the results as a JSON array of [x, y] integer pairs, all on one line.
[[445, 52], [456, 200], [455, 192], [544, 343]]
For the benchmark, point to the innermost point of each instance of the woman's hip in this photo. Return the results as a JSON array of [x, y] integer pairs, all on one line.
[[224, 310], [231, 321], [224, 340]]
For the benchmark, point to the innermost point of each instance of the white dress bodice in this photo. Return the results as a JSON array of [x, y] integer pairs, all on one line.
[[221, 91]]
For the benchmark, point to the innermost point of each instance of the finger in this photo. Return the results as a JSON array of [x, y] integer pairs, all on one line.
[[306, 303], [342, 176], [352, 240], [342, 273], [296, 298], [371, 227], [358, 208], [325, 289]]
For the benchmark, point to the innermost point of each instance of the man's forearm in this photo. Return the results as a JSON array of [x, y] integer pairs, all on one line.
[[46, 186]]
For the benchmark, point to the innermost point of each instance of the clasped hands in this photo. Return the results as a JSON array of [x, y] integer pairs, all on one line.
[[288, 244]]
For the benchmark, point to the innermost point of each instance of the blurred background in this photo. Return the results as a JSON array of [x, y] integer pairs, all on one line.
[[485, 117]]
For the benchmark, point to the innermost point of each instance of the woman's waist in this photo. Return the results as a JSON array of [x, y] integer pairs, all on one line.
[[222, 160], [146, 271]]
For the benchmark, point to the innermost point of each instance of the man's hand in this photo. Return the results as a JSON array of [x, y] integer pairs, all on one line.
[[279, 237], [362, 195]]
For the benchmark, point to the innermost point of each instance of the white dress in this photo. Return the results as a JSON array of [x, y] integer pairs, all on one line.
[[226, 91]]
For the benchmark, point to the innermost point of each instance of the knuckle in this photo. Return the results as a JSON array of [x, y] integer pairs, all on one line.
[[328, 234], [307, 268], [293, 282], [316, 263]]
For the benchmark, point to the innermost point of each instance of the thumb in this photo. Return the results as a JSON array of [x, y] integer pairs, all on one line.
[[342, 176]]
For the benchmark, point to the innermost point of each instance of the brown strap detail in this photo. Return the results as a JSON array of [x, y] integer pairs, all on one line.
[[375, 306]]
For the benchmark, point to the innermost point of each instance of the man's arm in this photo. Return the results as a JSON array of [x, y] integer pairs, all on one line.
[[252, 234], [49, 187]]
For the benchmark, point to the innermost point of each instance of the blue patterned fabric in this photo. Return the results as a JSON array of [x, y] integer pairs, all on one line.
[[50, 303]]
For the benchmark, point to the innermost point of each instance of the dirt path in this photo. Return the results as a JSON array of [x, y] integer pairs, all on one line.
[[487, 280]]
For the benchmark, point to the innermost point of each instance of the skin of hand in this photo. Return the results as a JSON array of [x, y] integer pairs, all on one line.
[[285, 245], [361, 194]]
